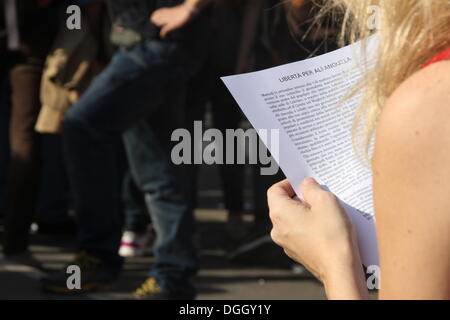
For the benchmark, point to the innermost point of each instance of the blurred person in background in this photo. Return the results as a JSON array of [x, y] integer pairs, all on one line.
[[154, 62], [31, 28], [75, 57], [279, 41], [233, 29], [37, 56]]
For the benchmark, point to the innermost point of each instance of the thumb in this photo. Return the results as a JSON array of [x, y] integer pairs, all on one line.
[[311, 190], [166, 29]]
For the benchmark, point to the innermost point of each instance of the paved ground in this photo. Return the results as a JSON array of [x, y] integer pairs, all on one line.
[[270, 276]]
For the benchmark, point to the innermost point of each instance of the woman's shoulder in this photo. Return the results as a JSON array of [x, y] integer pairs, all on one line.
[[414, 125], [421, 102]]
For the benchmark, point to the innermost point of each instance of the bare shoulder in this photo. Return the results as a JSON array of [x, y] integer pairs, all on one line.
[[411, 183], [415, 122]]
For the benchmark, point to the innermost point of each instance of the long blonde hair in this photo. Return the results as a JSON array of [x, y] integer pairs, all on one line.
[[410, 31]]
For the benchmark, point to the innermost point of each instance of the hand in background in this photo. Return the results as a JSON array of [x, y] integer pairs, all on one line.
[[173, 18]]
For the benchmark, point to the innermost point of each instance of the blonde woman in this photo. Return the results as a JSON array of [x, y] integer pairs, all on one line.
[[406, 110]]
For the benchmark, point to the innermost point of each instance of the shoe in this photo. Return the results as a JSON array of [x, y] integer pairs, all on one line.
[[25, 258], [151, 290], [135, 244], [95, 275]]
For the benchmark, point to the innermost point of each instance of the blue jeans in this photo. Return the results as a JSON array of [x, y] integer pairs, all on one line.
[[136, 217], [130, 89], [166, 194]]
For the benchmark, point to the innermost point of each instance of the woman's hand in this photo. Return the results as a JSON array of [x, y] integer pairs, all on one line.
[[318, 234]]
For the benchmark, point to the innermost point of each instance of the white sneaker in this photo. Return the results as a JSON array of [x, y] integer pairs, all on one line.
[[136, 244]]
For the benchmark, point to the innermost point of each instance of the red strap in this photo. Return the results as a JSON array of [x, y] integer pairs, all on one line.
[[444, 55]]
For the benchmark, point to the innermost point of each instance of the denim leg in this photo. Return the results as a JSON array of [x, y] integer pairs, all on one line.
[[135, 212], [121, 95], [167, 198]]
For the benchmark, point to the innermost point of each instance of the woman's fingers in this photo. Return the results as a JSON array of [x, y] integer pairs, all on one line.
[[309, 234], [283, 209], [314, 194], [282, 195], [281, 189], [310, 188]]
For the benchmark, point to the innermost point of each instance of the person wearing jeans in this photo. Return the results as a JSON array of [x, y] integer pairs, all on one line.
[[134, 87], [166, 195], [140, 184]]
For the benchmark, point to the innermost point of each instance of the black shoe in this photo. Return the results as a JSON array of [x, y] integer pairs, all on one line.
[[95, 275], [150, 290]]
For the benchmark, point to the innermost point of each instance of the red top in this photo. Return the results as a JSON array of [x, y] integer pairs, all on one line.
[[444, 55]]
